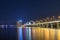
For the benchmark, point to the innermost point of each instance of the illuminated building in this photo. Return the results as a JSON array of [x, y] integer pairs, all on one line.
[[19, 23]]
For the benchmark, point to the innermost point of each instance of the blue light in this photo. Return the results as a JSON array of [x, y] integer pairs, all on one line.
[[20, 21], [20, 35]]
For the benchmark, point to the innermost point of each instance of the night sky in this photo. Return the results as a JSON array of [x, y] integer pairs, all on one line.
[[13, 10]]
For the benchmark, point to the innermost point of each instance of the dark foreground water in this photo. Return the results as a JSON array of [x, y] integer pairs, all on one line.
[[9, 33]]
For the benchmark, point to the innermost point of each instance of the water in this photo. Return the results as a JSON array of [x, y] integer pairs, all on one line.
[[9, 33], [20, 35], [29, 33]]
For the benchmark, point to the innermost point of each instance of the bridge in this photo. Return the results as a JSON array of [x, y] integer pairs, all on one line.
[[40, 31]]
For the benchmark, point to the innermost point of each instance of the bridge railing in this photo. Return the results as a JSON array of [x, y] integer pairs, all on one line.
[[51, 24]]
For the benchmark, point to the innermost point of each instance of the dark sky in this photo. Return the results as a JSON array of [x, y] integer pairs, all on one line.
[[13, 10]]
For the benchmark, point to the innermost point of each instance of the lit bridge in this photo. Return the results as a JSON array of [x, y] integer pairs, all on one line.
[[39, 31]]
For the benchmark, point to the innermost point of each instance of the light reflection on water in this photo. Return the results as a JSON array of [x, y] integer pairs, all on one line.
[[20, 35], [27, 32], [8, 33]]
